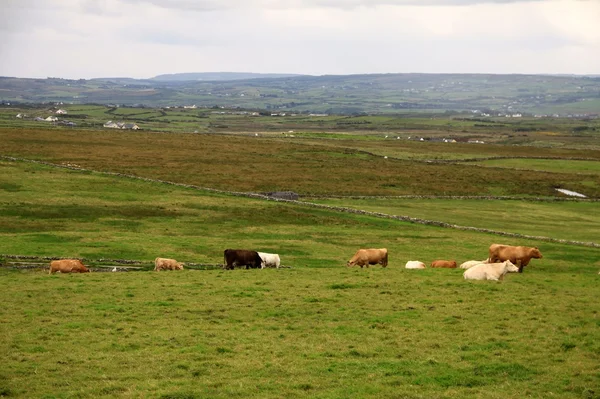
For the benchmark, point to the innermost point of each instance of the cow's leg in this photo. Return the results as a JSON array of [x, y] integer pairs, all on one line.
[[520, 265]]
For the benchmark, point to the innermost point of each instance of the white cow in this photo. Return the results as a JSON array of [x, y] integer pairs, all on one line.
[[490, 271], [470, 263], [414, 264], [269, 260]]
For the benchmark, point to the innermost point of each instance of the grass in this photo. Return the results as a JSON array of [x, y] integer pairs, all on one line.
[[573, 221], [258, 164], [557, 166], [96, 216], [326, 333], [317, 329]]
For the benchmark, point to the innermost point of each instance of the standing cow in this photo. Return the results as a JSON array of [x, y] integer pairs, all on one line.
[[241, 257], [269, 260], [520, 256], [68, 266], [366, 257], [167, 264]]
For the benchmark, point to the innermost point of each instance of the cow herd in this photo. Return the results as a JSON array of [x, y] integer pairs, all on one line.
[[501, 259]]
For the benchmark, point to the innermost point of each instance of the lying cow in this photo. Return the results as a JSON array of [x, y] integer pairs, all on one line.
[[269, 260], [414, 264], [490, 271], [520, 256], [167, 264], [470, 263], [68, 266], [447, 264], [366, 257], [241, 257]]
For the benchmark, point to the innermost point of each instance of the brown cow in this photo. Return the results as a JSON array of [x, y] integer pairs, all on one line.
[[366, 257], [520, 256], [241, 257], [68, 266], [447, 264], [167, 264]]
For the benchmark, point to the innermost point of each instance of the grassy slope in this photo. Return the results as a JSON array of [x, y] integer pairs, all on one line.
[[328, 332], [562, 220], [264, 164]]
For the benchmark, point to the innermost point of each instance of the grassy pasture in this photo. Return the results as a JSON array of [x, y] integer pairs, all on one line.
[[55, 212], [550, 165], [318, 329], [573, 221], [259, 164]]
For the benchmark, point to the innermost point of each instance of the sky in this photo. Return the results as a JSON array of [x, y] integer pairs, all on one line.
[[143, 38]]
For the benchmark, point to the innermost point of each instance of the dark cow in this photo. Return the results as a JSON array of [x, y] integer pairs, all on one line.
[[241, 257]]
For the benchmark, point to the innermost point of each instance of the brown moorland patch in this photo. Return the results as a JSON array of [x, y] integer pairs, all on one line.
[[256, 164]]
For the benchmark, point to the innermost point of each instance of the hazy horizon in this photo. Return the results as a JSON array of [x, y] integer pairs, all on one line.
[[140, 39]]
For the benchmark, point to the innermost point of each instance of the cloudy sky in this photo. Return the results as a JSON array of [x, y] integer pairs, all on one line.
[[144, 38]]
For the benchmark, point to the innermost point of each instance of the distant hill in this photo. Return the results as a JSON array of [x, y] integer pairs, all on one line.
[[212, 76], [481, 94]]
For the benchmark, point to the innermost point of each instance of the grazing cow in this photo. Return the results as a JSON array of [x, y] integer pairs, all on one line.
[[414, 264], [490, 271], [167, 264], [68, 266], [366, 257], [470, 263], [520, 256], [269, 260], [241, 257], [447, 264]]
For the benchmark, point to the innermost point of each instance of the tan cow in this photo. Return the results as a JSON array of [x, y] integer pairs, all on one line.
[[519, 256], [167, 264], [366, 257], [448, 264], [68, 266], [490, 271]]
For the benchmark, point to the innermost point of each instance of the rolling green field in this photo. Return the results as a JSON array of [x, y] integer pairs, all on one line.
[[314, 328], [263, 164], [573, 221], [550, 165], [317, 329]]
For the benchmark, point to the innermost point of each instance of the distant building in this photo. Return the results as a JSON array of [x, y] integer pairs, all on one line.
[[121, 125], [111, 124], [61, 112], [51, 119], [131, 126]]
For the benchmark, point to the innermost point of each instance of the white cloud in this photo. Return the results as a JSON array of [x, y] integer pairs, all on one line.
[[142, 38]]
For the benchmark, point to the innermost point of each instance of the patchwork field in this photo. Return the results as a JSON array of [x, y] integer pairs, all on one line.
[[312, 329]]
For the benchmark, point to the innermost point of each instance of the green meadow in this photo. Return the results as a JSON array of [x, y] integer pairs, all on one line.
[[574, 221], [314, 328]]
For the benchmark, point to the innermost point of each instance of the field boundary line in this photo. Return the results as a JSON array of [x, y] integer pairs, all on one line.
[[456, 197], [320, 206]]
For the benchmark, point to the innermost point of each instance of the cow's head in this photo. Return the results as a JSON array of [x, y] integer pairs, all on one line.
[[179, 266], [535, 253], [510, 267], [350, 263]]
